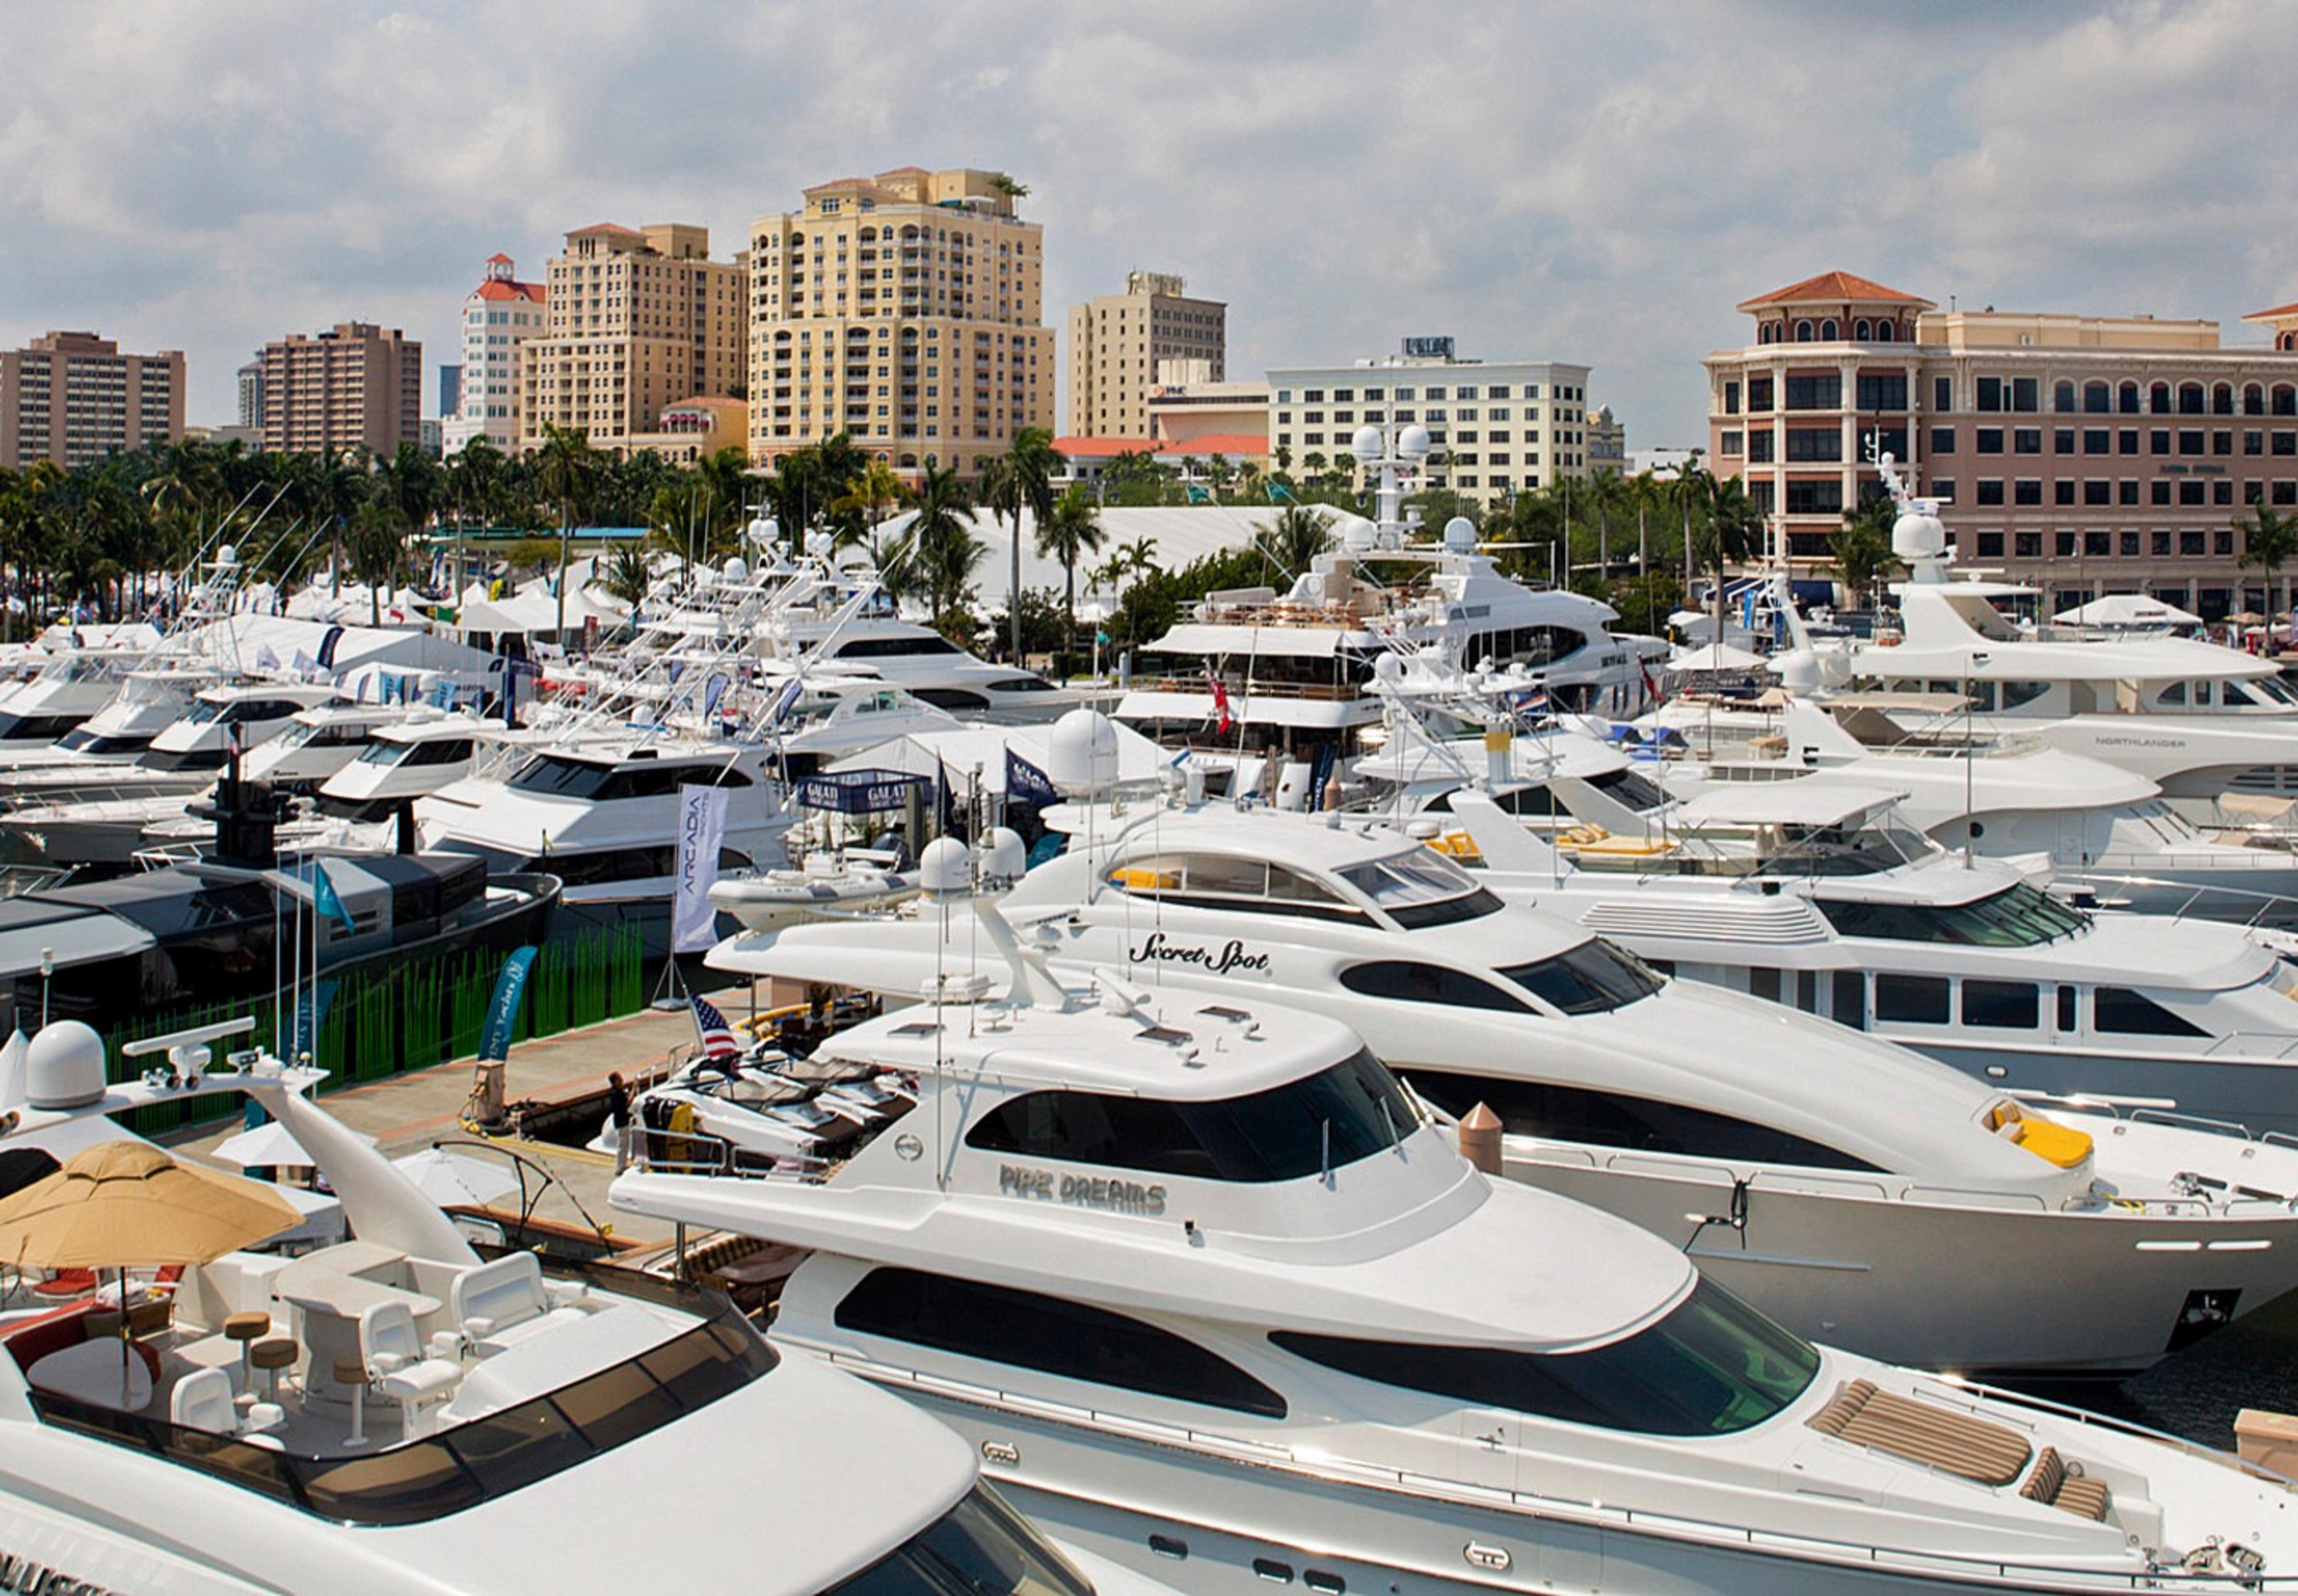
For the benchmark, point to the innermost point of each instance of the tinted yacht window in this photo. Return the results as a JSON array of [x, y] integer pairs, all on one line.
[[1049, 1335], [1713, 1367], [1587, 980], [1407, 982], [1571, 1114], [2018, 916], [1324, 1121], [2125, 1012]]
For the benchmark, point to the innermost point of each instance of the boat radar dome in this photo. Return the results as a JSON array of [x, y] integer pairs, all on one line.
[[1413, 444], [1388, 667], [1459, 535], [1003, 856], [1367, 445], [1081, 753], [63, 1068], [764, 530], [1917, 534], [947, 869], [227, 557], [737, 569]]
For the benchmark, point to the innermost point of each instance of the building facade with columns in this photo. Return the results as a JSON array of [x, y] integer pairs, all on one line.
[[2085, 455], [905, 310]]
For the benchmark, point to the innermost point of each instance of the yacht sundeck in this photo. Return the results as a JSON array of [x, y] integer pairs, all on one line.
[[1205, 1290], [393, 1414]]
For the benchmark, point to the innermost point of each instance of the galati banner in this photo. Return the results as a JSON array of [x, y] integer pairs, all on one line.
[[701, 827]]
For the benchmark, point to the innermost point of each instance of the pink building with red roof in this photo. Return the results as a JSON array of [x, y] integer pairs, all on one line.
[[2085, 455]]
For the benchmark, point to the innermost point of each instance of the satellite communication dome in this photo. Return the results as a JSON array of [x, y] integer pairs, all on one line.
[[227, 556], [1459, 535], [1917, 534], [764, 529], [737, 568], [1368, 444], [63, 1068], [1004, 856], [1358, 535], [1388, 667], [947, 867], [1081, 753], [1414, 444]]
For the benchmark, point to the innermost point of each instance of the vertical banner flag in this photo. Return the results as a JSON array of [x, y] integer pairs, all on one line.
[[310, 1013], [701, 827], [327, 901], [1025, 783], [503, 1008]]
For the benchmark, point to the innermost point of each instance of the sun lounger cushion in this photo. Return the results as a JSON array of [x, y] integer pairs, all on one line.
[[1937, 1437], [2062, 1484]]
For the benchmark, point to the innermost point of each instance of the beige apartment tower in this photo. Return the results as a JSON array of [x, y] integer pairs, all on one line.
[[640, 319], [73, 398], [904, 310], [1119, 342], [354, 385]]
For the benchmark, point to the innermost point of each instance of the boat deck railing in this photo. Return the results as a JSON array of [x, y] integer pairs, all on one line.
[[2261, 909]]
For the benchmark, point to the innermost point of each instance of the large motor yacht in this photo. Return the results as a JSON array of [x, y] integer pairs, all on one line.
[[416, 1418], [1841, 1183], [1208, 1293]]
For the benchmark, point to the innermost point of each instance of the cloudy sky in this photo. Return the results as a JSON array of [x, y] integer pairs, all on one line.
[[1597, 180]]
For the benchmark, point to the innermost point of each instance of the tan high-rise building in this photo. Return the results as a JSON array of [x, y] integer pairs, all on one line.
[[73, 398], [640, 319], [1118, 341], [355, 384], [905, 310]]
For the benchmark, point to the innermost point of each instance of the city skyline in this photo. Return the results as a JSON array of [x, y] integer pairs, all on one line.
[[1539, 182]]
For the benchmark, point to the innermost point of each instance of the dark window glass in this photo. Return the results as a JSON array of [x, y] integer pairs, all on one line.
[[1325, 1120], [2030, 543], [2127, 440], [1409, 982], [2190, 440], [1713, 1367], [2018, 916], [2027, 490], [2125, 1013], [2063, 491], [1587, 980], [1814, 498], [1571, 1114], [2096, 492], [1942, 440], [2096, 401], [1759, 393], [1915, 999], [1814, 443], [2026, 393], [2063, 440], [1730, 399], [2129, 545], [2098, 545], [1989, 440], [1990, 491], [2027, 440], [1942, 394], [980, 1547], [2007, 1004], [2126, 492], [1990, 545], [1760, 446], [1070, 1340], [1989, 393], [2097, 440], [1823, 393], [1882, 391]]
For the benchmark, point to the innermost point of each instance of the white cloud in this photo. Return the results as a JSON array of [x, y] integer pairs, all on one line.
[[1543, 180]]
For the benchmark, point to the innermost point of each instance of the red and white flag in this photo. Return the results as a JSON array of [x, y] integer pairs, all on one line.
[[1221, 699]]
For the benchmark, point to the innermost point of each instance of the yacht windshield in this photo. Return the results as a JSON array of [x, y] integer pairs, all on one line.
[[1713, 1367], [2018, 916], [1306, 1127], [1420, 888], [979, 1548], [1587, 980], [1861, 845]]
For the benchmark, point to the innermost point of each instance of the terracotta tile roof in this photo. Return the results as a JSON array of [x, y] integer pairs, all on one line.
[[503, 288], [904, 171], [1098, 448], [1834, 287], [607, 227], [2276, 314], [840, 183], [499, 255], [1213, 443], [705, 402]]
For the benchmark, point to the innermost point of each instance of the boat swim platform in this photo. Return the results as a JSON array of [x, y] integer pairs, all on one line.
[[407, 1112]]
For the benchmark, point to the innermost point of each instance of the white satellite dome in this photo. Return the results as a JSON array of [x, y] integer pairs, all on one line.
[[1004, 856], [1918, 533], [227, 556], [737, 568], [1081, 753], [63, 1068], [947, 867], [1413, 444], [1367, 445], [1459, 535]]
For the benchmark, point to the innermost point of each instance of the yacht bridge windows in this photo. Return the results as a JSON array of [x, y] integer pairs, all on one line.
[[1410, 889], [1712, 1367]]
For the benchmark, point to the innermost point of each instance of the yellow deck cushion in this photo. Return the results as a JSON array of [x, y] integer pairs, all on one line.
[[2061, 1144]]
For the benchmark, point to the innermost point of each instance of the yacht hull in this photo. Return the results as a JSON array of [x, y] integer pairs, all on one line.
[[2257, 1093], [1924, 1279]]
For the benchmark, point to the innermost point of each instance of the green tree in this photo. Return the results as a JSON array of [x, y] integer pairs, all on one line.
[[1020, 479], [1862, 549], [2269, 542], [1296, 537], [567, 470], [1728, 537], [940, 552], [1069, 534], [626, 575], [871, 495]]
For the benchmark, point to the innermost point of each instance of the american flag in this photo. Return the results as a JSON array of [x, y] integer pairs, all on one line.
[[717, 1037]]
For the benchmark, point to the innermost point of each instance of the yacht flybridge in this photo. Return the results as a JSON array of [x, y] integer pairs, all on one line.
[[1841, 1184], [415, 1419], [1208, 1291]]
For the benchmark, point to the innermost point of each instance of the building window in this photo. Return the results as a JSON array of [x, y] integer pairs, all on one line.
[[2159, 493], [1989, 440], [2063, 544], [1808, 498], [2027, 440], [1990, 545], [2063, 397], [2029, 544], [1942, 440], [2098, 545], [1729, 445], [1759, 446], [1990, 491], [1824, 393], [2127, 399], [1991, 394], [1814, 443], [1942, 394], [2063, 440], [2129, 545], [2157, 439], [2027, 490], [2190, 440], [1882, 391], [1759, 395], [2099, 493], [2063, 491]]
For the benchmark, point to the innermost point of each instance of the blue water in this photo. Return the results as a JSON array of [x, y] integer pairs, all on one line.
[[2252, 1363]]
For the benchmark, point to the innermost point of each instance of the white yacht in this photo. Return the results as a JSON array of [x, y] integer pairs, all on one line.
[[414, 1420], [1282, 686], [1841, 1184], [1207, 1293]]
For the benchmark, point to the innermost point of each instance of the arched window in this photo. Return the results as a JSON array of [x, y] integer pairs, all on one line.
[[2158, 399], [909, 462], [2254, 399], [2096, 400], [1861, 330], [2127, 399], [1827, 331], [1803, 332], [2190, 399], [2286, 399], [2222, 399], [1884, 332]]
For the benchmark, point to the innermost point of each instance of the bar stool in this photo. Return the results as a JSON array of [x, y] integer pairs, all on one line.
[[246, 1328], [271, 1356], [352, 1372]]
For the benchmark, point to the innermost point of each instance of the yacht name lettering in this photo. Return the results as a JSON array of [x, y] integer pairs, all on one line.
[[1084, 1191], [2142, 742], [21, 1574], [1231, 955]]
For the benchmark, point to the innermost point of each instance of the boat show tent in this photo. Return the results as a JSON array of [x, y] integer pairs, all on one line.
[[1719, 658], [2128, 610], [957, 755]]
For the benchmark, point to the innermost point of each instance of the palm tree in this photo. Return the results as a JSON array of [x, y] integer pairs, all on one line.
[[2269, 541], [1296, 537], [722, 482], [1862, 549], [937, 561], [870, 495], [626, 575], [1021, 478], [1070, 533], [566, 470], [1729, 536]]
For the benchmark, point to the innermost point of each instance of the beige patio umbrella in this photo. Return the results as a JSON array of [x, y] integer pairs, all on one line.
[[126, 1203]]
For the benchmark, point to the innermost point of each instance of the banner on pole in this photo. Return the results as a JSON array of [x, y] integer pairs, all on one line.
[[503, 1008], [701, 827]]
